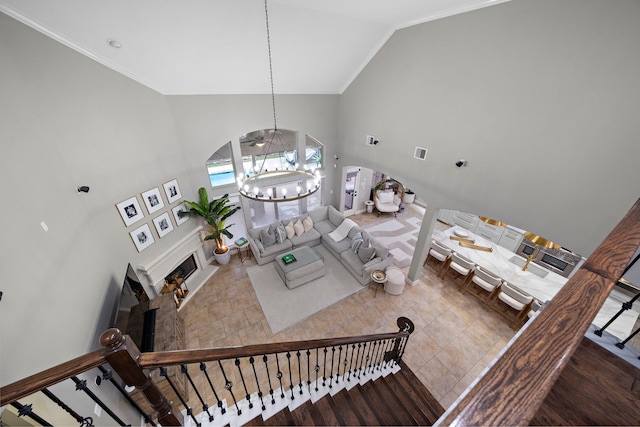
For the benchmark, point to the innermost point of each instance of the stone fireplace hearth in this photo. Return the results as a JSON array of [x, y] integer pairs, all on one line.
[[157, 269]]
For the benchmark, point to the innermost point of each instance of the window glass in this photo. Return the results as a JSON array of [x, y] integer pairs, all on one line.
[[220, 167]]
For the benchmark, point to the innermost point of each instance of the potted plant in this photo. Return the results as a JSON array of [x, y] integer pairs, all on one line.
[[215, 214], [409, 196]]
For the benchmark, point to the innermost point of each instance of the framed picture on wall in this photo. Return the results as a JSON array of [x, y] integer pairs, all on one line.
[[176, 213], [163, 224], [153, 200], [172, 191], [130, 211], [142, 237]]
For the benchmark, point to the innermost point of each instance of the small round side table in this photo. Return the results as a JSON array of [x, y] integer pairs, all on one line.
[[378, 277], [247, 251]]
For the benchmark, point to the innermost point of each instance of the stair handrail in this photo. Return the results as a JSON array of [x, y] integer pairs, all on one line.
[[513, 388], [36, 382], [125, 358], [175, 357]]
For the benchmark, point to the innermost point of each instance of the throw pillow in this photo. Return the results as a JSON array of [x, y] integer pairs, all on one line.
[[308, 224], [366, 254], [299, 228], [290, 230], [281, 233], [268, 236], [259, 246], [357, 242], [381, 251]]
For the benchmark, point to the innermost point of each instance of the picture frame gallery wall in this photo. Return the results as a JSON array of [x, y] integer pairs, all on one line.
[[131, 212]]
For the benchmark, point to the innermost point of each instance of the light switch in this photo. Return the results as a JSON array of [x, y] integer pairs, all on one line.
[[44, 226]]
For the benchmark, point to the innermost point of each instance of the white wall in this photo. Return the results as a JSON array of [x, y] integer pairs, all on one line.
[[540, 97]]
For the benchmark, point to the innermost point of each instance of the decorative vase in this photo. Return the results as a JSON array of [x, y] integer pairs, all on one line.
[[223, 258]]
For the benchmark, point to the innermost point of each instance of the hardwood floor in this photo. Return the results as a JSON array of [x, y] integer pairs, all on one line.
[[595, 388], [398, 399]]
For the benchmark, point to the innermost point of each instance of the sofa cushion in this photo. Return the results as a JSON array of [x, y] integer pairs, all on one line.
[[366, 254], [337, 247], [280, 232], [381, 251], [276, 248], [309, 238], [298, 227], [335, 217], [319, 214], [268, 236], [324, 227], [308, 223], [259, 245], [352, 260], [290, 230], [385, 196]]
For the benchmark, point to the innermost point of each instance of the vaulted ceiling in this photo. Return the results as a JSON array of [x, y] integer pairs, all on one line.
[[220, 46]]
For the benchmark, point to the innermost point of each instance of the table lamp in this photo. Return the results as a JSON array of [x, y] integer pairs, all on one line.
[[540, 242]]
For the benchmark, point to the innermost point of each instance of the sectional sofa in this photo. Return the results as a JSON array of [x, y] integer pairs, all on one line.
[[315, 228]]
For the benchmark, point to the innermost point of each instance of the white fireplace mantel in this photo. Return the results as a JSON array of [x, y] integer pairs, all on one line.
[[157, 269]]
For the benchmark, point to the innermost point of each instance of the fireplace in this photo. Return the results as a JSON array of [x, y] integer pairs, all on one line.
[[184, 270], [186, 256]]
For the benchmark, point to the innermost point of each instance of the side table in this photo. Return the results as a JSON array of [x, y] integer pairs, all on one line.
[[378, 277], [247, 251], [369, 204]]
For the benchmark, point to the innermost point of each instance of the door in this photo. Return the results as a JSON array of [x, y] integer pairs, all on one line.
[[350, 192]]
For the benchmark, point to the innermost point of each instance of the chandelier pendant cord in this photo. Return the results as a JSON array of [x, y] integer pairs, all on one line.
[[273, 96]]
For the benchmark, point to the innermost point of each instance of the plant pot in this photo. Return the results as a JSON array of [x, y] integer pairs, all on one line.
[[409, 197], [222, 258]]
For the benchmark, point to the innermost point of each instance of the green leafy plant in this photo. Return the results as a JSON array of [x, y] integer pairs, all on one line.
[[215, 213]]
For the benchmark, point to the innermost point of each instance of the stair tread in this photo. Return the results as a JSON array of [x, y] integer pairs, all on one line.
[[397, 399]]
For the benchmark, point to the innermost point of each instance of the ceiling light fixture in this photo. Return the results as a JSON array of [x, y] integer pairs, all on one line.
[[270, 185]]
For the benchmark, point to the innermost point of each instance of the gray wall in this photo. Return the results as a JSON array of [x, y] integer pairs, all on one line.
[[540, 97], [205, 123], [546, 88], [67, 121]]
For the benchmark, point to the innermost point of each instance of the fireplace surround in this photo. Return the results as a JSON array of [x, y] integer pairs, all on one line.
[[155, 270]]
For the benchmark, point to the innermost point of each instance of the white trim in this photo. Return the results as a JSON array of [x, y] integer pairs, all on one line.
[[78, 48]]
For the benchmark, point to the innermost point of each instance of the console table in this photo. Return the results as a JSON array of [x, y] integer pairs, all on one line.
[[168, 335]]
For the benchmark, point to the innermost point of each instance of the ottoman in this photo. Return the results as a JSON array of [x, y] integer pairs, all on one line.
[[309, 265], [395, 281]]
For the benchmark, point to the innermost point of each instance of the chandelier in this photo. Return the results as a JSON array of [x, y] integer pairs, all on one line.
[[277, 176]]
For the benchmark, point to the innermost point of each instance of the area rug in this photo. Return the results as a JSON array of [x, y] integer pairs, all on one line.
[[283, 306], [400, 236]]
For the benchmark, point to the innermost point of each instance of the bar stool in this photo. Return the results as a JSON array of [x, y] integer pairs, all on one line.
[[515, 302], [439, 253], [461, 265], [487, 285]]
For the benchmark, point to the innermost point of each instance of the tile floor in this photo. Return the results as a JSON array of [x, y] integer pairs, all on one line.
[[454, 340]]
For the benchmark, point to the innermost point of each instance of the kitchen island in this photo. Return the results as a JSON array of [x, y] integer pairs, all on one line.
[[543, 285]]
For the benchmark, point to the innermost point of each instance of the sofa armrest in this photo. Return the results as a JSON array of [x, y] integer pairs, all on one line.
[[377, 264]]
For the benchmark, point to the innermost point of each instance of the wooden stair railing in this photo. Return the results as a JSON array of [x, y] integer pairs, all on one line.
[[511, 391], [131, 365]]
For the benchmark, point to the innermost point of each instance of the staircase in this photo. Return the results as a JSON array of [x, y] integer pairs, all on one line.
[[398, 399]]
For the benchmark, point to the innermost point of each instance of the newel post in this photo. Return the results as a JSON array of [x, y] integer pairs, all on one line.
[[123, 355], [405, 325]]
